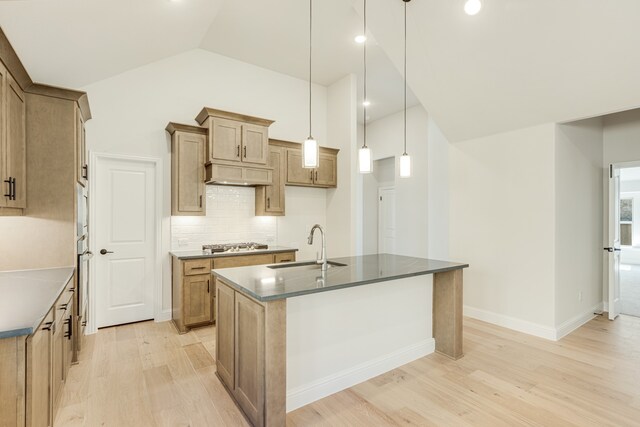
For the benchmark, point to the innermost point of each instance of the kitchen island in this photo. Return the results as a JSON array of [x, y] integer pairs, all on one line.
[[290, 334]]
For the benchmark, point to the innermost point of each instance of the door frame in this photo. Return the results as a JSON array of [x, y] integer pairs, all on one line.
[[94, 157], [380, 190]]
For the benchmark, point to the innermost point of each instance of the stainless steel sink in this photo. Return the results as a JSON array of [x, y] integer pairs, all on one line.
[[307, 265]]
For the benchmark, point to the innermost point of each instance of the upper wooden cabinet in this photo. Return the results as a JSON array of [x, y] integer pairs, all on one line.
[[188, 195], [235, 138], [13, 145], [270, 198], [325, 176]]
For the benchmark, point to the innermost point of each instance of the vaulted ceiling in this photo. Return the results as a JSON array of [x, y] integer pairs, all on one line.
[[517, 63]]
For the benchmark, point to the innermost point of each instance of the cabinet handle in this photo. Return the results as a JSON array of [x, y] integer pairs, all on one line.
[[268, 202], [201, 201], [208, 289], [69, 323], [238, 152], [316, 176], [85, 172], [63, 307], [84, 323], [198, 268], [72, 290], [13, 191], [47, 326], [311, 176], [245, 152]]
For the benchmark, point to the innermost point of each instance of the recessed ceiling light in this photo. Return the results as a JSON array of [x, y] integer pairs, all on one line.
[[360, 38], [366, 103], [472, 7]]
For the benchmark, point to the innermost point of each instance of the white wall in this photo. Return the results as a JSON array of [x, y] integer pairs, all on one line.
[[131, 110], [343, 209], [502, 220], [385, 138], [579, 199], [437, 193]]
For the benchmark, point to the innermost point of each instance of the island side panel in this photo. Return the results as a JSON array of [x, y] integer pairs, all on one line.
[[275, 363], [12, 371], [447, 313]]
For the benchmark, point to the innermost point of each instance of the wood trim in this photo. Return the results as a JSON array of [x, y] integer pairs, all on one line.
[[297, 145], [173, 127], [12, 62], [63, 93], [212, 112]]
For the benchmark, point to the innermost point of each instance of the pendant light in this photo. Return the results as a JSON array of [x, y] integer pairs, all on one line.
[[364, 154], [310, 148], [405, 159]]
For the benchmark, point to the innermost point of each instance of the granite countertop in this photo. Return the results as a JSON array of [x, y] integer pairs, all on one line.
[[266, 284], [201, 254], [27, 296]]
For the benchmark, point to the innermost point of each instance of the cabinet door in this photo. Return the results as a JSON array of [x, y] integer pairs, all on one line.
[[38, 367], [249, 358], [187, 161], [270, 199], [67, 340], [225, 326], [57, 357], [16, 146], [225, 138], [296, 174], [81, 149], [197, 299], [255, 144], [327, 173]]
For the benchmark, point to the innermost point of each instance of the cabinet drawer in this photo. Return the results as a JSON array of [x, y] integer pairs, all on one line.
[[243, 261], [197, 266], [284, 257]]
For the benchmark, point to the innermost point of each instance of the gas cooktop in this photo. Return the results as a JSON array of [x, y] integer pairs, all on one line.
[[234, 247]]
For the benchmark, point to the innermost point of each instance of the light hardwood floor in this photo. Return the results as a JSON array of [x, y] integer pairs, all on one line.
[[148, 375]]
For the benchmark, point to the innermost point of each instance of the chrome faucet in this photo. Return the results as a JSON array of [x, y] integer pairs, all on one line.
[[323, 257]]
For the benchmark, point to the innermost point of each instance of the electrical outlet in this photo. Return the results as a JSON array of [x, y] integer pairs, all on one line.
[[580, 296], [183, 242]]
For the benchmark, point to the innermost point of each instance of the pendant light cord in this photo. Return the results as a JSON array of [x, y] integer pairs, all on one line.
[[405, 77], [364, 49], [310, 51]]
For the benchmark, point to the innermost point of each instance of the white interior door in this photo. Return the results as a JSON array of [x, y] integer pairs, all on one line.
[[387, 220], [614, 243], [125, 238]]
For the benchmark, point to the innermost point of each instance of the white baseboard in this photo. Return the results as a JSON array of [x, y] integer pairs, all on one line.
[[324, 387], [511, 323], [164, 316], [605, 306], [574, 323]]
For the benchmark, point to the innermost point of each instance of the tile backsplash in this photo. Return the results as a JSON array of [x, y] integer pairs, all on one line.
[[230, 218]]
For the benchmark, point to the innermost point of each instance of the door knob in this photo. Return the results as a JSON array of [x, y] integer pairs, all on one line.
[[104, 252]]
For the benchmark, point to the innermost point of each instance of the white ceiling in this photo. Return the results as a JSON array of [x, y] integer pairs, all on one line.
[[517, 63]]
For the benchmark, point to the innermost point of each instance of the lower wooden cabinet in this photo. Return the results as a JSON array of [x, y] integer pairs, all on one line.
[[251, 343], [39, 408], [249, 358], [193, 287], [225, 327], [197, 299]]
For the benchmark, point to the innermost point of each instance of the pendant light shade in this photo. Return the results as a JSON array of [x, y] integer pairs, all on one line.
[[310, 153], [365, 162], [310, 147], [405, 159], [405, 166]]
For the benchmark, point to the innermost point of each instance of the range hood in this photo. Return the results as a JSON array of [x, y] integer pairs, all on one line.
[[222, 174]]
